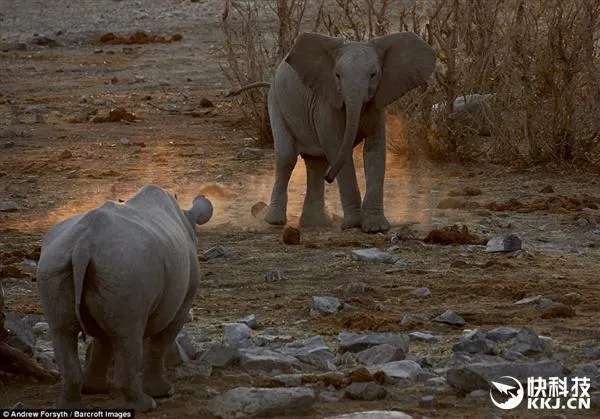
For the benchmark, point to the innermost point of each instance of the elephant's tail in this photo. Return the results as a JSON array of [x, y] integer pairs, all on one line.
[[80, 260], [248, 87]]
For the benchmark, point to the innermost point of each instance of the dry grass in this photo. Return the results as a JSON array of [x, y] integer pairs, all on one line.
[[539, 61]]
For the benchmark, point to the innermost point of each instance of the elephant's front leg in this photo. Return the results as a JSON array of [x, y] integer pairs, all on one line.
[[313, 210], [349, 195], [373, 219]]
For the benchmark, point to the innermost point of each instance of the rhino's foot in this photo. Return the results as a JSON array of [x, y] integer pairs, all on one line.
[[157, 387]]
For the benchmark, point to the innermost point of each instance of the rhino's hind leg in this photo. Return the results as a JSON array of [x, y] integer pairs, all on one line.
[[65, 350], [94, 376], [128, 360], [155, 383]]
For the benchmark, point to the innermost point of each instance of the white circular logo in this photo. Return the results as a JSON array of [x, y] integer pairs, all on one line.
[[515, 393]]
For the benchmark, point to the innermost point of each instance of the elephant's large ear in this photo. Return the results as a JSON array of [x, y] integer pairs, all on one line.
[[407, 61], [313, 58]]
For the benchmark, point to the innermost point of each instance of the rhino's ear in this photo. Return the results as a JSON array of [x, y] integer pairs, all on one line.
[[202, 210]]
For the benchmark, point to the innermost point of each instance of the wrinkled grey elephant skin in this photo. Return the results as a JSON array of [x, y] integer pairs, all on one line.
[[328, 96], [121, 273]]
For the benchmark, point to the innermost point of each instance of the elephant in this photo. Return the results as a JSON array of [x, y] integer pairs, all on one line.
[[327, 96], [125, 274]]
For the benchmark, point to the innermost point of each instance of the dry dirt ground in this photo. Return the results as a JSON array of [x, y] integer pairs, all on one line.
[[186, 148]]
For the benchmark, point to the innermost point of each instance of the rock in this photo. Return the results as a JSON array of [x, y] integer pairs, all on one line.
[[72, 174], [398, 370], [290, 235], [325, 306], [184, 341], [329, 395], [267, 339], [355, 288], [250, 321], [428, 402], [423, 337], [259, 209], [506, 243], [421, 292], [47, 361], [373, 414], [237, 335], [354, 342], [267, 360], [66, 154], [592, 353], [288, 380], [365, 391], [274, 276], [436, 382], [248, 153], [450, 317], [251, 402], [218, 355], [474, 342], [477, 376], [476, 398], [547, 189], [205, 103], [125, 141], [176, 356], [501, 334], [8, 206], [213, 253], [313, 351], [529, 343], [529, 300], [380, 354], [21, 336], [372, 254], [41, 329]]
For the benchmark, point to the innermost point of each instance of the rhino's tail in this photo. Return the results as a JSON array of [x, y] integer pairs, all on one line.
[[80, 260]]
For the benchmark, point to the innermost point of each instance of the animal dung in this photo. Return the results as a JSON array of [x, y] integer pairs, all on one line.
[[258, 208], [291, 235]]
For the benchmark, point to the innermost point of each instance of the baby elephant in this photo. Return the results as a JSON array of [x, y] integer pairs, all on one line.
[[125, 274]]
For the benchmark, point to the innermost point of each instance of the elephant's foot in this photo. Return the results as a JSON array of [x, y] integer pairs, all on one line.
[[352, 220], [276, 216], [374, 223], [140, 403], [157, 387], [314, 218]]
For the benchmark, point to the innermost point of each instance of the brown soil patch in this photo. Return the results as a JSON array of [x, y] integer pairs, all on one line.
[[453, 235]]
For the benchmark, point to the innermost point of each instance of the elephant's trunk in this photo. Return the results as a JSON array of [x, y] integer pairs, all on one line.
[[353, 110]]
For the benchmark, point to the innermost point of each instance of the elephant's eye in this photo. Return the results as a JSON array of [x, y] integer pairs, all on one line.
[[337, 76], [373, 74]]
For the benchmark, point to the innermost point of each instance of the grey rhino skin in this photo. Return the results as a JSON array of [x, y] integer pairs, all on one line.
[[125, 274]]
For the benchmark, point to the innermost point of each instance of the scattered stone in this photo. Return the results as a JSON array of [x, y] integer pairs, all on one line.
[[291, 235], [313, 351], [188, 346], [205, 103], [421, 292], [529, 300], [406, 233], [237, 335], [511, 355], [9, 144], [267, 339], [545, 303], [501, 334], [466, 191], [477, 398], [355, 288], [41, 329], [529, 343], [428, 402], [20, 335], [176, 356], [251, 402], [373, 414], [249, 153], [274, 276], [8, 206], [547, 189], [325, 306], [267, 360], [423, 337], [380, 354], [474, 342], [66, 154], [372, 254], [250, 321], [592, 353], [452, 235], [213, 253], [477, 376], [450, 317], [116, 115], [218, 355], [365, 391], [329, 395], [557, 310], [354, 342], [436, 382], [398, 370], [259, 209], [125, 141], [506, 243]]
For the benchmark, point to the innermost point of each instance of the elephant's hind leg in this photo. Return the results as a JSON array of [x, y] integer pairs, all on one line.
[[65, 349], [313, 210], [285, 161], [94, 376]]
